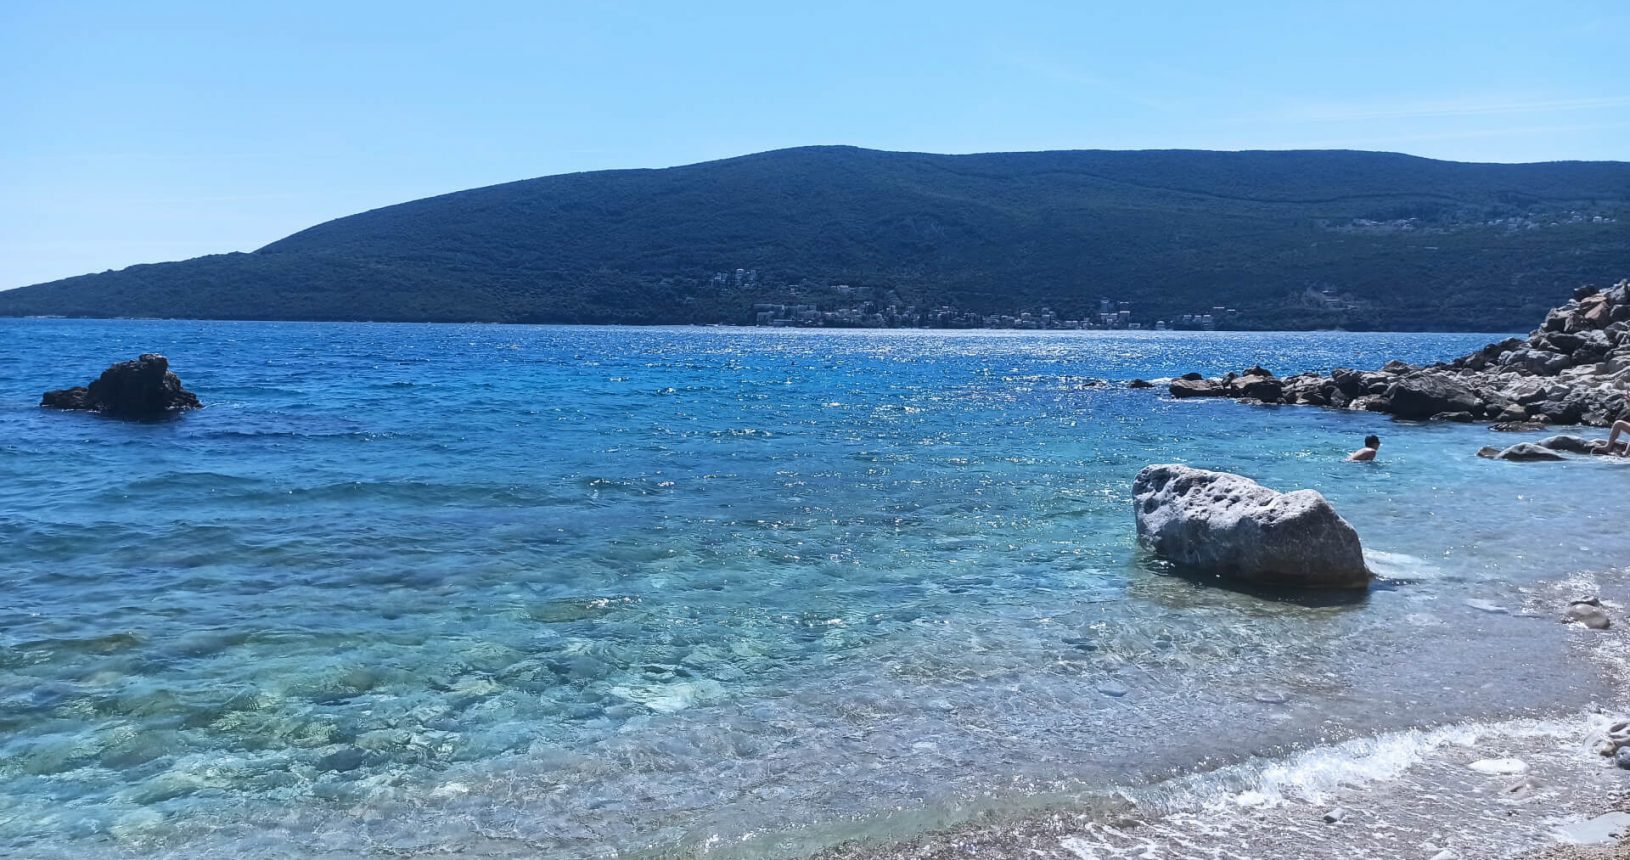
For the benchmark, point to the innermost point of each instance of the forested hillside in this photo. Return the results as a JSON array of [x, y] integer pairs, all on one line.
[[1297, 239]]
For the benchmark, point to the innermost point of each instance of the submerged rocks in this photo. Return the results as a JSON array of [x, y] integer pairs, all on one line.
[[1574, 369], [142, 388], [1231, 526]]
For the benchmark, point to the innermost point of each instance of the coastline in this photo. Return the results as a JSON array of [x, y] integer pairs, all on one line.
[[1504, 789]]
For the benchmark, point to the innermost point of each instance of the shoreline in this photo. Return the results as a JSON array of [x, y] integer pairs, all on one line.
[[742, 327], [1444, 792]]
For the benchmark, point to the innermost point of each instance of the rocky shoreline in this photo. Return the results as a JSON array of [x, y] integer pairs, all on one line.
[[1573, 369]]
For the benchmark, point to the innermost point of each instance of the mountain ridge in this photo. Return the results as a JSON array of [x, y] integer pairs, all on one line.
[[1289, 238]]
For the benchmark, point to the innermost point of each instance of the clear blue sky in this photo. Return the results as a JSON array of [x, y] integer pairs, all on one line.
[[145, 131]]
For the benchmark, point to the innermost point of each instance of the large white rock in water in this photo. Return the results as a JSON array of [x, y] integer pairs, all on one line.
[[1216, 522]]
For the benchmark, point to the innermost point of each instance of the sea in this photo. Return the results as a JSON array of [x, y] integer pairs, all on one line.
[[590, 592]]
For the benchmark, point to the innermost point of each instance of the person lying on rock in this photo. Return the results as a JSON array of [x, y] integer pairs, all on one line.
[[1372, 446]]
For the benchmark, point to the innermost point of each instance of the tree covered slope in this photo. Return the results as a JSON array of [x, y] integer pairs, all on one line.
[[1291, 239]]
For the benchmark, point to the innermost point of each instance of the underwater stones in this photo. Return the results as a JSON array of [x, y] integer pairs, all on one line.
[[343, 760], [1230, 526], [1500, 766], [143, 388]]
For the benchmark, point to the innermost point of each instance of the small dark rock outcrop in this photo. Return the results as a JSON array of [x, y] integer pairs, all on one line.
[[1230, 526], [140, 389], [1573, 369]]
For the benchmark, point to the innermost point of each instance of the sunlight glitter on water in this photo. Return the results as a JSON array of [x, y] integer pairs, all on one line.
[[479, 587]]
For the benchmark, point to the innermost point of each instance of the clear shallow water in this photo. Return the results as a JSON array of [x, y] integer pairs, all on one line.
[[510, 591]]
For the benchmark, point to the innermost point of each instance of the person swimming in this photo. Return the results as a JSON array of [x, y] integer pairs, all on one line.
[[1372, 446]]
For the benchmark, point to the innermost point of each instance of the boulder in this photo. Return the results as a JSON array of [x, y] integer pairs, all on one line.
[[1528, 452], [1564, 442], [140, 389], [1537, 362], [1595, 346], [1558, 411], [1589, 614], [1264, 388], [1423, 395], [1230, 526], [1348, 382], [1140, 383], [1595, 314], [1186, 387], [1368, 403], [1454, 417], [1559, 341]]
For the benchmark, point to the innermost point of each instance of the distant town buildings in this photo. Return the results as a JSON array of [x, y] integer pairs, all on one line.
[[849, 306], [870, 314]]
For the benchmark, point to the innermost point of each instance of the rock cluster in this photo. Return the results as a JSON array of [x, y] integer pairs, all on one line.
[[140, 389], [1573, 369], [1549, 448], [1230, 526]]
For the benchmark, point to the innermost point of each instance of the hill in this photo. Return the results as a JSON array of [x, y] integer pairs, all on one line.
[[1296, 239]]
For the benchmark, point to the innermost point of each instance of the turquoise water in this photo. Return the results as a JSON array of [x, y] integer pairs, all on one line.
[[575, 592]]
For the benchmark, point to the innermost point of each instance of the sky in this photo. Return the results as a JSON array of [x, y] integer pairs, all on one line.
[[142, 132]]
